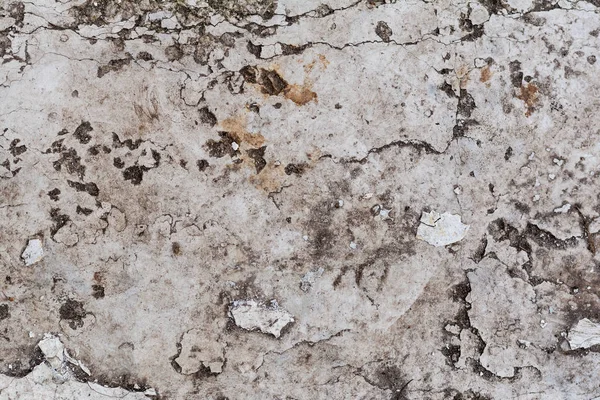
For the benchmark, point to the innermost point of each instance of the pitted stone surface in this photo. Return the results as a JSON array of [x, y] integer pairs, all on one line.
[[280, 199]]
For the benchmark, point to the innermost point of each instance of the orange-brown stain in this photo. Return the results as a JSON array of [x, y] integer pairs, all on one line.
[[486, 74], [299, 94], [237, 128], [270, 179], [529, 95]]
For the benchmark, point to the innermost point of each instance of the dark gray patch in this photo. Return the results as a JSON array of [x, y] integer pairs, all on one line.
[[90, 187], [4, 312], [258, 156], [296, 169], [173, 53], [202, 165], [135, 174], [516, 75], [73, 312], [130, 144], [98, 291], [221, 148], [113, 65], [53, 194], [59, 220], [383, 31], [207, 117], [82, 133], [591, 59], [508, 153], [15, 149]]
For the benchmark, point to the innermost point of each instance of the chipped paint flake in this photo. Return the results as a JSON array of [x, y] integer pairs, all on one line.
[[441, 229], [250, 315], [584, 335], [33, 253]]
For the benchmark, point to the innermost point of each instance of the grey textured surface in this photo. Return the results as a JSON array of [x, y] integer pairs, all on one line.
[[232, 199]]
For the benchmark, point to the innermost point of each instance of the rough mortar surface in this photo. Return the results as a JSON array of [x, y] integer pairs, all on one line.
[[285, 199]]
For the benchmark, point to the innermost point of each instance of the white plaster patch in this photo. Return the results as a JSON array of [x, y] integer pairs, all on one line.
[[250, 315], [441, 230], [584, 335], [33, 253]]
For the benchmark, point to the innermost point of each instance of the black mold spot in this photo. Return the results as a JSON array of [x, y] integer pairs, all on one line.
[[508, 153], [289, 50], [254, 49], [82, 133]]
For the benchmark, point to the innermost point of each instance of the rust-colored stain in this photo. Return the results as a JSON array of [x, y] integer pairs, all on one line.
[[486, 74], [462, 74], [270, 179], [299, 94], [529, 95], [237, 128]]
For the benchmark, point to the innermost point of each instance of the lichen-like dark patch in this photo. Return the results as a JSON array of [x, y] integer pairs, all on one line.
[[207, 117], [4, 312], [70, 161], [59, 220], [118, 163], [240, 9], [202, 165], [82, 133], [130, 144], [297, 169], [90, 187], [83, 210], [466, 104], [516, 75], [508, 153], [135, 174], [254, 49], [144, 55], [15, 149], [53, 194], [270, 81], [98, 291], [221, 148], [384, 31], [113, 65], [173, 53], [73, 312], [289, 49], [258, 156]]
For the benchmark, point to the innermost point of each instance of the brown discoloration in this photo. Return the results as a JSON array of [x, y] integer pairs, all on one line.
[[529, 95], [270, 179], [299, 94], [486, 74], [237, 128]]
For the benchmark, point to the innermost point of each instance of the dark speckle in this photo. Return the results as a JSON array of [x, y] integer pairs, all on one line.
[[258, 156], [591, 59], [15, 149]]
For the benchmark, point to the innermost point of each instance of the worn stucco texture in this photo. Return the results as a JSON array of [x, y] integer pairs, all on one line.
[[285, 199]]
